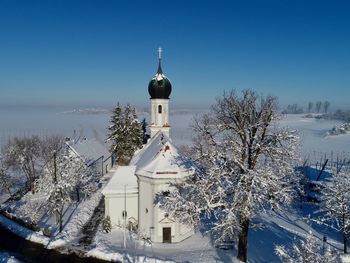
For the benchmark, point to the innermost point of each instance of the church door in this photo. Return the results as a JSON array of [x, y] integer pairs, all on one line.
[[166, 234]]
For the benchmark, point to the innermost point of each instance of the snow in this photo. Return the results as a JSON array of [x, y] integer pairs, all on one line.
[[123, 179], [159, 77], [161, 158], [78, 219], [314, 139], [6, 257], [197, 248], [23, 232], [279, 229]]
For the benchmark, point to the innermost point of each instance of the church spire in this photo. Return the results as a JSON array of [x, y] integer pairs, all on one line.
[[160, 71]]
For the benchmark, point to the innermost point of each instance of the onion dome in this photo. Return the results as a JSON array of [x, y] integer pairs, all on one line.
[[159, 87]]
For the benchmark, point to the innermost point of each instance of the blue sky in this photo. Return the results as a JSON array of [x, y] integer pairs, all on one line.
[[93, 53]]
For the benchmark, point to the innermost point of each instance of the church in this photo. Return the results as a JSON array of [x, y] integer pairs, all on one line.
[[130, 193]]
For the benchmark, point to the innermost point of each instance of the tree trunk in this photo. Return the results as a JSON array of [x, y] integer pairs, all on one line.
[[345, 239], [31, 186], [61, 219], [243, 240], [78, 195]]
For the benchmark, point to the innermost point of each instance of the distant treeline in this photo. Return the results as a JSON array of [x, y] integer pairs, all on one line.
[[337, 115], [311, 107]]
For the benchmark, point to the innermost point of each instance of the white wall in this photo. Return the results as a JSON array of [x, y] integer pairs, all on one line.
[[159, 121], [152, 223], [114, 204]]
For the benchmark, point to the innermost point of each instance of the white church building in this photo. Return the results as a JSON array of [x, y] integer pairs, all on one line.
[[130, 194]]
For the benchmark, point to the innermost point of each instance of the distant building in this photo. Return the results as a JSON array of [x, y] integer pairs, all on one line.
[[93, 153], [130, 194]]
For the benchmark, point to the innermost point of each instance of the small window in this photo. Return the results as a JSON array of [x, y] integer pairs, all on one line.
[[159, 108], [124, 214]]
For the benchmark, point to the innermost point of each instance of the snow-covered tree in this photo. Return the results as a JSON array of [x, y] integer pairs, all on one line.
[[24, 154], [84, 179], [244, 165], [125, 133], [6, 181], [69, 177], [116, 131], [134, 131], [335, 204], [49, 145], [307, 251]]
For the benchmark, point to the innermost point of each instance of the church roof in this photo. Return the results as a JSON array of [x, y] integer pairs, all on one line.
[[89, 150], [123, 180], [160, 158]]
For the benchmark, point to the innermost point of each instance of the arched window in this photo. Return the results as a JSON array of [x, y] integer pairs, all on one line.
[[159, 108]]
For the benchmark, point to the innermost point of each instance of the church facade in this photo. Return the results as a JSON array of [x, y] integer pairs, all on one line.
[[130, 194]]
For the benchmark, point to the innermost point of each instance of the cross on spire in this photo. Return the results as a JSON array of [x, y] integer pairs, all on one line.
[[160, 50]]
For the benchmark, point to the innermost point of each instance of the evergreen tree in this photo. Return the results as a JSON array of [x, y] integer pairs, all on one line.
[[116, 131], [136, 131], [125, 133], [145, 135]]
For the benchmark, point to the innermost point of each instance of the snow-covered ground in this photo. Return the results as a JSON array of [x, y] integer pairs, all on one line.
[[9, 258], [279, 229], [197, 248], [314, 139]]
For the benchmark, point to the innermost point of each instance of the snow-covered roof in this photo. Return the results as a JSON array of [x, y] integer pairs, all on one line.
[[160, 158], [89, 150], [123, 180]]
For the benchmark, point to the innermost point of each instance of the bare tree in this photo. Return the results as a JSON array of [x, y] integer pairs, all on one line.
[[6, 181], [49, 146], [308, 250], [335, 204], [326, 105], [69, 176], [310, 106], [24, 154], [318, 106], [244, 165]]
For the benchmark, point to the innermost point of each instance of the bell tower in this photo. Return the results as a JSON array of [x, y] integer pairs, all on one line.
[[159, 89]]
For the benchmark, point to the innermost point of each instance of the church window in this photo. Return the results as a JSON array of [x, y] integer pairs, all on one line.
[[124, 214], [159, 108]]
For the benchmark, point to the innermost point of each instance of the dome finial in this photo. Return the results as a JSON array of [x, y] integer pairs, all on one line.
[[160, 50]]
